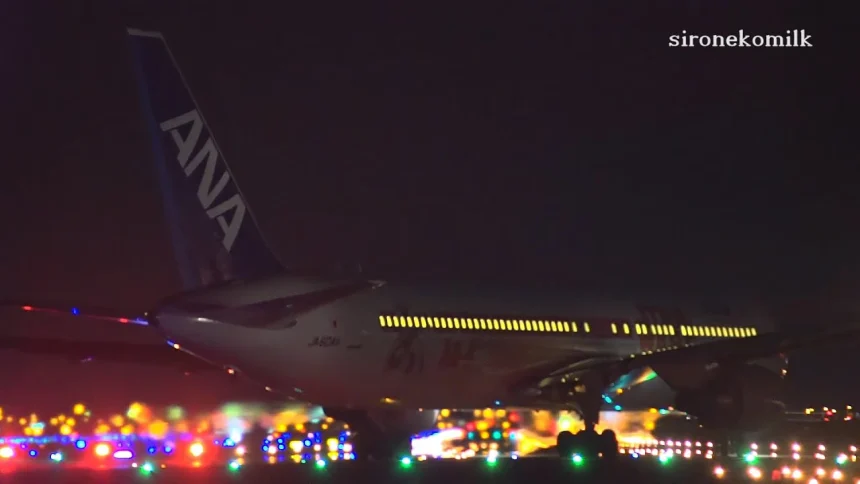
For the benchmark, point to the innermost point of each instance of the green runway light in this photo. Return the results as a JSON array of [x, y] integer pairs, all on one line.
[[234, 465], [577, 459], [842, 459], [492, 460], [750, 458], [320, 464], [665, 458], [147, 468], [406, 462]]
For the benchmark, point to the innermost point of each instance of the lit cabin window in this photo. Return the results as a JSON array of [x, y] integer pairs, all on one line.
[[626, 328], [671, 331], [752, 332], [586, 327], [566, 327], [614, 328], [683, 331]]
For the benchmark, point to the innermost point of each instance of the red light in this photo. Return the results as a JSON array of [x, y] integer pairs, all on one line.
[[123, 320], [27, 308]]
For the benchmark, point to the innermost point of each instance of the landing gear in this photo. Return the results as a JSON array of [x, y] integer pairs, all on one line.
[[382, 435], [376, 446], [588, 443]]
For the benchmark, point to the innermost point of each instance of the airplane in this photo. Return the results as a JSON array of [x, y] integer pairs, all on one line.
[[382, 355]]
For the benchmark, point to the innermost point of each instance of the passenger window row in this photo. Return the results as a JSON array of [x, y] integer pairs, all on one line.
[[543, 326]]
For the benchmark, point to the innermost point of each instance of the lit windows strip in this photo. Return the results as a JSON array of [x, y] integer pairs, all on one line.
[[396, 322]]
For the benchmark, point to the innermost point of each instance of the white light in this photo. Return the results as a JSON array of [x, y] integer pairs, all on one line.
[[123, 454]]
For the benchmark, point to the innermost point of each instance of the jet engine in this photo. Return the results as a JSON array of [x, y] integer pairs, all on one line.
[[747, 398]]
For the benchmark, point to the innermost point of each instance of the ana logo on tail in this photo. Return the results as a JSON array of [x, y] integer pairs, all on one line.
[[208, 190]]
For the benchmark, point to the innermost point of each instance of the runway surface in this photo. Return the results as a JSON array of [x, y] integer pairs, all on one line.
[[543, 470]]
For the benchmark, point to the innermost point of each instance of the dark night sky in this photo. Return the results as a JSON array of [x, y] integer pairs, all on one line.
[[565, 143]]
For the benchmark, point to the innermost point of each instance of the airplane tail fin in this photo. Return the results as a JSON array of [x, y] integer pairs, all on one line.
[[214, 234]]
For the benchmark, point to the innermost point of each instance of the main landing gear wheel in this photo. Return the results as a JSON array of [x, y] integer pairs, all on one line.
[[371, 440], [381, 449], [588, 444]]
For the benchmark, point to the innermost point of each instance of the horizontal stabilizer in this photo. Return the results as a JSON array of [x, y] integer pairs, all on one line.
[[90, 313]]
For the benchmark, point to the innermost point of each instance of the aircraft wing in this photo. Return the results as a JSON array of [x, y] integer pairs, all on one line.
[[85, 351], [21, 330], [720, 352]]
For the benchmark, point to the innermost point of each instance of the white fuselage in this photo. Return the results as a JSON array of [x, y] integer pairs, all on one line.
[[362, 344]]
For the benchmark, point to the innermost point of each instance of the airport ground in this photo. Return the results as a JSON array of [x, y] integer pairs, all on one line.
[[504, 470]]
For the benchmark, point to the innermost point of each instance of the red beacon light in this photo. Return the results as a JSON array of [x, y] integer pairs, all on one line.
[[27, 308]]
